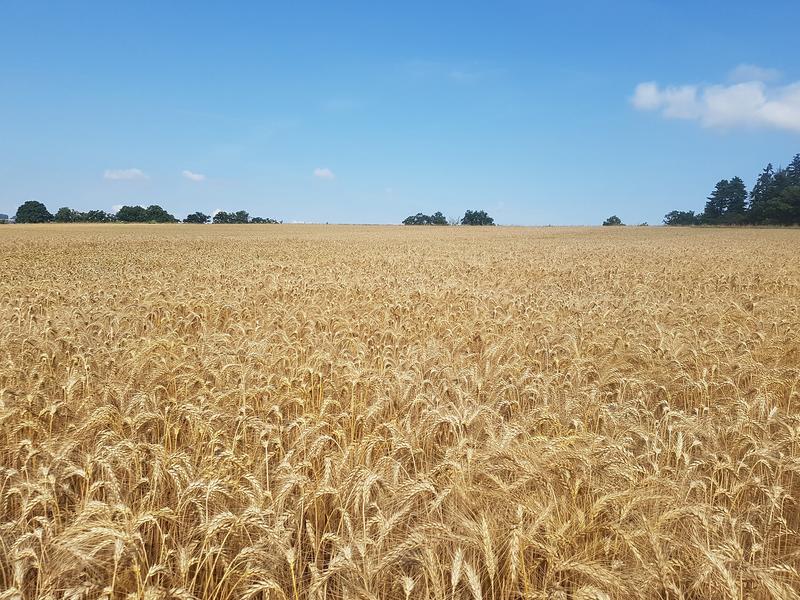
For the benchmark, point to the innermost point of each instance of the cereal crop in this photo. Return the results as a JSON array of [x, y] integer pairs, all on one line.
[[309, 412]]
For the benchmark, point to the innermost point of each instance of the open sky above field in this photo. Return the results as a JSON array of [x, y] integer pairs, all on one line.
[[355, 112]]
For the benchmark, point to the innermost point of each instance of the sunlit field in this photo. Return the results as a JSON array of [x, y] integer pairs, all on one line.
[[297, 412]]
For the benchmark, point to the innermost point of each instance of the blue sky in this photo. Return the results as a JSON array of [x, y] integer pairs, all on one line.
[[539, 113]]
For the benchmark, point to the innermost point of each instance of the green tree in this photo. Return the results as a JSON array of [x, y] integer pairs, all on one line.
[[67, 215], [776, 211], [716, 202], [791, 198], [263, 221], [761, 192], [736, 197], [241, 216], [417, 219], [197, 218], [438, 218], [680, 217], [132, 214], [226, 218], [156, 214], [137, 214], [33, 212], [613, 220], [793, 171], [777, 203], [97, 216], [774, 200], [476, 217]]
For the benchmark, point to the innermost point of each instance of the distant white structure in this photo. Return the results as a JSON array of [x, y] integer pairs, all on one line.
[[4, 218]]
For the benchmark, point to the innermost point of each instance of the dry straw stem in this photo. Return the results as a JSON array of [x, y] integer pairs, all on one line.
[[377, 412]]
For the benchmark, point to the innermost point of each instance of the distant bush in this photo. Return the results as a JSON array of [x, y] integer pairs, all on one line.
[[132, 214], [197, 218], [70, 215], [240, 217], [137, 214], [476, 217], [226, 218], [436, 218], [681, 217], [98, 216], [67, 215]]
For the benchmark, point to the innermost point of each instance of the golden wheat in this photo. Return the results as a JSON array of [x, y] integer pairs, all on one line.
[[377, 412]]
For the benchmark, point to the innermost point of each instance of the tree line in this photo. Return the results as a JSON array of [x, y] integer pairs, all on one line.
[[33, 211], [226, 218], [471, 217], [774, 200]]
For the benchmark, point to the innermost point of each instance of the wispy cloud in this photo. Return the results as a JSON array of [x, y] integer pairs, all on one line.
[[116, 208], [747, 72], [125, 174], [323, 173], [752, 103], [193, 176]]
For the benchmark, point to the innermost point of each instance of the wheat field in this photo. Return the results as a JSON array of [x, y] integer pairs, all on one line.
[[384, 412]]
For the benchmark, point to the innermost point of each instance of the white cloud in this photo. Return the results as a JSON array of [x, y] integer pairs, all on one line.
[[215, 211], [116, 208], [748, 104], [675, 102], [323, 173], [125, 174], [193, 176], [646, 96], [745, 72]]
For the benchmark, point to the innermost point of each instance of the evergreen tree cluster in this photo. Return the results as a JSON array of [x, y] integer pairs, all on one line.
[[774, 200]]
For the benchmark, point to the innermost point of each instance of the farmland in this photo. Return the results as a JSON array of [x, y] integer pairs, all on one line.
[[302, 412]]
